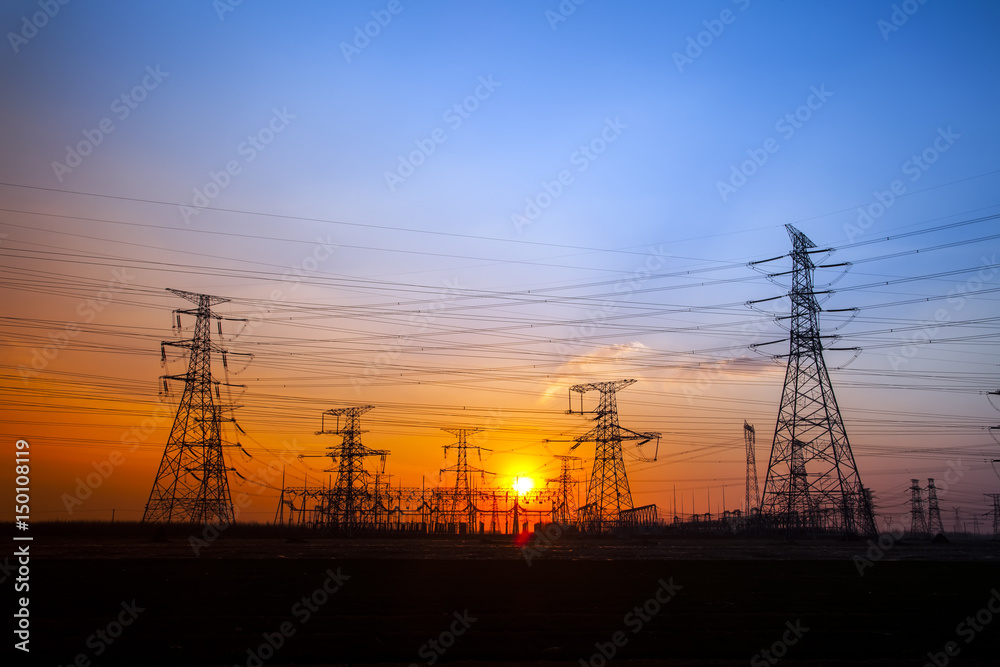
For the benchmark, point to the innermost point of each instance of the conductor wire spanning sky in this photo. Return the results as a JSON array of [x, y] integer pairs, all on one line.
[[454, 212]]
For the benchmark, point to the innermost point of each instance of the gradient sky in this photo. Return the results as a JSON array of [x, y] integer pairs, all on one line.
[[426, 295]]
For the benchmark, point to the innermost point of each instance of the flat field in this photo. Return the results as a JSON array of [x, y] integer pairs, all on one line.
[[480, 601]]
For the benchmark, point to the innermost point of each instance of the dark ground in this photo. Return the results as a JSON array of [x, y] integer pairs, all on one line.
[[735, 599]]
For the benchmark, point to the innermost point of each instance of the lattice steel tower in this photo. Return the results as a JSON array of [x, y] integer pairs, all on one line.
[[191, 483], [753, 490], [353, 500], [995, 497], [934, 523], [463, 501], [564, 507], [608, 492], [812, 480], [918, 520]]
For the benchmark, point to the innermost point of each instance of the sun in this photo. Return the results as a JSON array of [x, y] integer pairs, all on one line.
[[523, 485]]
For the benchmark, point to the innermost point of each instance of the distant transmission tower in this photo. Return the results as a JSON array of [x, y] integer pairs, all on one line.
[[463, 500], [191, 483], [564, 508], [934, 523], [812, 480], [353, 500], [918, 520], [608, 493], [753, 490], [959, 526], [995, 497]]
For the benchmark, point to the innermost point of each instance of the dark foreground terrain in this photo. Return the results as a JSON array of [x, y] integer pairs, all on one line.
[[481, 602]]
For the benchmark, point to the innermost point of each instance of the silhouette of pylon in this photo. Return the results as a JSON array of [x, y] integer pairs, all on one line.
[[353, 502], [812, 479], [191, 483], [918, 520], [463, 502], [934, 523], [608, 492], [564, 508], [995, 497], [753, 489]]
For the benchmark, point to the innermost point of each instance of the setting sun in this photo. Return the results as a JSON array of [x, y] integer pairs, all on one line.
[[523, 484]]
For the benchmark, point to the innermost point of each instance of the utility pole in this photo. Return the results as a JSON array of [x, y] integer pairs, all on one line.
[[812, 479]]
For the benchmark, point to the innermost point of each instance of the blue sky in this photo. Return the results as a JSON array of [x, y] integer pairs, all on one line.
[[671, 135]]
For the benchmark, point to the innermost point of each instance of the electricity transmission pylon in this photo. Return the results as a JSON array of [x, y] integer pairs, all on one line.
[[934, 524], [918, 520], [463, 501], [564, 508], [753, 490], [812, 479], [353, 500], [995, 497], [191, 483], [608, 493]]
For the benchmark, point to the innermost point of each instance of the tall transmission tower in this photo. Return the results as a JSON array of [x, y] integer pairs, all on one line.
[[608, 493], [918, 520], [995, 497], [564, 508], [934, 523], [753, 490], [812, 479], [463, 501], [191, 483], [353, 499]]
